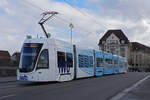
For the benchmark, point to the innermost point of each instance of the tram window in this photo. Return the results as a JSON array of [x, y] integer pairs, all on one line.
[[115, 62], [61, 59], [83, 60], [126, 65], [90, 61], [99, 62], [108, 61], [69, 59], [43, 61], [121, 64]]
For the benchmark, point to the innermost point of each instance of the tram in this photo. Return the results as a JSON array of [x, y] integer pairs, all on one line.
[[48, 59]]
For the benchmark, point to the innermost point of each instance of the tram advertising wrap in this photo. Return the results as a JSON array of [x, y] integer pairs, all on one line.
[[44, 60]]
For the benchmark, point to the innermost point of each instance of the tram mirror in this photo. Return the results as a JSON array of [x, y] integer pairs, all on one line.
[[49, 35]]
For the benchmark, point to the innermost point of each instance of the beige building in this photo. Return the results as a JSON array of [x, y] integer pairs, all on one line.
[[115, 42], [139, 57]]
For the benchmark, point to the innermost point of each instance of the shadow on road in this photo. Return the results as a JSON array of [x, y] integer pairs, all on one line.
[[28, 84]]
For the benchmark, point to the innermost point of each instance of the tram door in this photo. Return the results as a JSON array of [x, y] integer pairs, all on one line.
[[99, 63], [65, 66]]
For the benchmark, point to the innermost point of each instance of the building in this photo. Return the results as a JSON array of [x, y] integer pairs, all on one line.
[[115, 42], [15, 58], [4, 58], [139, 57]]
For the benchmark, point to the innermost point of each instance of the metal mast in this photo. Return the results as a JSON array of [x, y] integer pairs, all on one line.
[[46, 17], [71, 27]]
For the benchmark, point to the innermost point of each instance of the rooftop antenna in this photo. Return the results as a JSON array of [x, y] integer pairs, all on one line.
[[46, 16]]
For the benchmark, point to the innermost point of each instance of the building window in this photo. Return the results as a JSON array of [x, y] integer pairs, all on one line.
[[123, 52], [123, 55], [116, 41], [113, 41], [112, 37], [103, 42], [112, 50], [122, 49], [117, 52], [122, 41]]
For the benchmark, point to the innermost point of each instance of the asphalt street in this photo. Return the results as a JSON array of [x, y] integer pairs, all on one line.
[[96, 88], [141, 92]]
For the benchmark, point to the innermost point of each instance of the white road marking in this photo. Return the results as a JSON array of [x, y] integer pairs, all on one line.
[[3, 97], [12, 86], [124, 92]]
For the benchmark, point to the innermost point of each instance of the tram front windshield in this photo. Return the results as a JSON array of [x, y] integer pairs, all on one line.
[[29, 56]]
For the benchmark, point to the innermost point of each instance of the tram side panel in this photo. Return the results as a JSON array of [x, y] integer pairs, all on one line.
[[85, 63], [125, 65], [108, 69], [99, 62], [44, 72], [116, 64], [43, 64], [64, 67], [122, 66]]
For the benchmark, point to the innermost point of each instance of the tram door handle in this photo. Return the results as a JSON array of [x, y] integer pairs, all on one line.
[[40, 72]]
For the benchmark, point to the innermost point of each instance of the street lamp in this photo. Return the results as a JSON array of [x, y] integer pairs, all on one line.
[[71, 27]]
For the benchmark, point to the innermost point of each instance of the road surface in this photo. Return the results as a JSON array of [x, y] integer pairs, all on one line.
[[99, 88]]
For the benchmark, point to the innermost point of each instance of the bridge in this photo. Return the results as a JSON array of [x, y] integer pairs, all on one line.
[[132, 85]]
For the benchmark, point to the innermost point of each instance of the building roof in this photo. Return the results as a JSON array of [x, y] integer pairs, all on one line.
[[16, 56], [139, 47], [4, 54], [119, 33]]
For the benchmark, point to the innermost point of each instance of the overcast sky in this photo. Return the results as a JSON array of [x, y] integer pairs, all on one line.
[[91, 19]]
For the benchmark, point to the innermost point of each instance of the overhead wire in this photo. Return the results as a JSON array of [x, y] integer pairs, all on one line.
[[64, 20], [35, 6], [87, 15]]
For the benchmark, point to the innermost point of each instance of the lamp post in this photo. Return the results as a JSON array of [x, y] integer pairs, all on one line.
[[71, 27]]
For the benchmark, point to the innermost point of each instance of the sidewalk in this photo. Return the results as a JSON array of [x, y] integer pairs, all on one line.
[[8, 79], [142, 92]]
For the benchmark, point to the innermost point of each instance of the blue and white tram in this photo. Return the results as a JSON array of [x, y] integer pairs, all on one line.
[[45, 59], [99, 62], [108, 65], [116, 64], [85, 64], [122, 65]]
